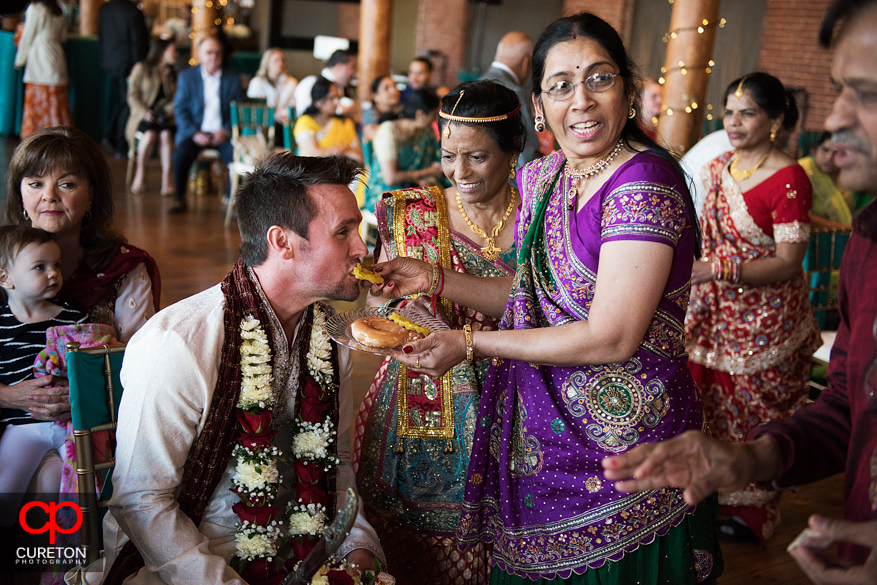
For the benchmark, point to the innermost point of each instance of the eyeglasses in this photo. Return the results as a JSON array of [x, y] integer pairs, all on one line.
[[596, 82]]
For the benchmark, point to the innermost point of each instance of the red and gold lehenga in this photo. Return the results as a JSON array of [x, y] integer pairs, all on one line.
[[750, 345], [411, 469]]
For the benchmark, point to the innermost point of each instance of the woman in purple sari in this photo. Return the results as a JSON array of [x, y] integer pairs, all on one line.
[[590, 358]]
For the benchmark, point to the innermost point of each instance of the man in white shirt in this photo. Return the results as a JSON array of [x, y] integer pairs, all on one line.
[[182, 375], [511, 68], [203, 114], [340, 70]]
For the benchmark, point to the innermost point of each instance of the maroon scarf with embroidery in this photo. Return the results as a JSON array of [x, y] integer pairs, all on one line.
[[86, 288]]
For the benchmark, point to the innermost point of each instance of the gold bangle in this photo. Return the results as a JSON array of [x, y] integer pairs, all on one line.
[[470, 343], [433, 286]]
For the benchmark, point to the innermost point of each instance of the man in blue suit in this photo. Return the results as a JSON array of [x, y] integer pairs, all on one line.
[[203, 114]]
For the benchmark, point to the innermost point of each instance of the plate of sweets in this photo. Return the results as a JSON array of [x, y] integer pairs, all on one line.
[[339, 572], [381, 330]]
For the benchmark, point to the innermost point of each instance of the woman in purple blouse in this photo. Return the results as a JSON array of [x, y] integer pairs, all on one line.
[[590, 358]]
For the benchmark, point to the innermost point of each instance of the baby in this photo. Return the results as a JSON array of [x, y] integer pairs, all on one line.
[[30, 277]]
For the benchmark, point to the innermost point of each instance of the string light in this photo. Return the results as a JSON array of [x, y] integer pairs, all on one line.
[[705, 24]]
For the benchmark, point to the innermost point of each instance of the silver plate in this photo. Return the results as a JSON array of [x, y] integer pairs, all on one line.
[[338, 327]]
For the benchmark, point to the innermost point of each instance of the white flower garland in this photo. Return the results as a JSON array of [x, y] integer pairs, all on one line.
[[256, 475], [311, 441]]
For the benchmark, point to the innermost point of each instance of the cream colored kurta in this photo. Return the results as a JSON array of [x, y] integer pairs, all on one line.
[[169, 374]]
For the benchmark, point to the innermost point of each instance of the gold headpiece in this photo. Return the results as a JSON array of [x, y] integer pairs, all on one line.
[[452, 118], [739, 93]]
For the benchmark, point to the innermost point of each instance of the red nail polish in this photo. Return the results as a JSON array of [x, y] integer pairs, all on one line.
[[407, 349]]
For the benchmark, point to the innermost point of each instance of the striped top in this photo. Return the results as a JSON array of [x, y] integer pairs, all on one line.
[[20, 343]]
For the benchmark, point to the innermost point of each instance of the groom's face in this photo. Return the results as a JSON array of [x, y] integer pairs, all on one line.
[[333, 246]]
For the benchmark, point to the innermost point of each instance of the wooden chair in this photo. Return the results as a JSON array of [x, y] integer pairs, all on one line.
[[95, 392], [252, 135]]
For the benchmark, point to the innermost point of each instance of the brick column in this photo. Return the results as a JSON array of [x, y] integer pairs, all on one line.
[[688, 56], [375, 27], [206, 18], [88, 10], [443, 26]]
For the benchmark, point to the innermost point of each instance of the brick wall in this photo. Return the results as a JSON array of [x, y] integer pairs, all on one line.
[[790, 51], [443, 25]]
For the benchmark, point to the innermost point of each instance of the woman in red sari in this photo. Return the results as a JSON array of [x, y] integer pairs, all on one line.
[[750, 329]]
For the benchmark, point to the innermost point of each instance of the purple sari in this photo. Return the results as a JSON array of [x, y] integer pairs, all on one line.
[[536, 488]]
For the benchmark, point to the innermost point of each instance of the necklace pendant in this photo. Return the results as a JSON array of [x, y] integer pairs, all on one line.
[[490, 251]]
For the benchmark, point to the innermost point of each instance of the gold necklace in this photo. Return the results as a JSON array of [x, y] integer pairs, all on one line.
[[490, 251], [589, 172], [738, 175]]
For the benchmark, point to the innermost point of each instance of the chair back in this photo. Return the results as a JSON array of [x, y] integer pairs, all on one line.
[[820, 263], [252, 130], [288, 127], [95, 393]]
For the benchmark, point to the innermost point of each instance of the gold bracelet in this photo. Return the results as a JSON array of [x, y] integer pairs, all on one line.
[[433, 286], [470, 343]]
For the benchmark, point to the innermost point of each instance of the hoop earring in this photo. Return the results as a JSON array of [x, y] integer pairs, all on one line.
[[24, 213], [632, 113], [88, 214], [773, 135], [539, 123]]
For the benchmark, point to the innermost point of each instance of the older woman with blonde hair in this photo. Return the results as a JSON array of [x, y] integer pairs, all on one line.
[[273, 83]]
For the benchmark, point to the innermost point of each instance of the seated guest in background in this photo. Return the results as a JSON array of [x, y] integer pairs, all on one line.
[[30, 277], [59, 181], [151, 90], [750, 328], [340, 69], [420, 77], [173, 508], [836, 433], [273, 84], [203, 115], [650, 106], [830, 203], [511, 68], [406, 152], [320, 131], [385, 106]]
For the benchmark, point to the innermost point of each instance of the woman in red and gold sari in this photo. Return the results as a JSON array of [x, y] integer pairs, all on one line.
[[750, 329], [411, 470]]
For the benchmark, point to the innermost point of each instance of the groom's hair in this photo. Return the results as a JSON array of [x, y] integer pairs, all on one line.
[[276, 193]]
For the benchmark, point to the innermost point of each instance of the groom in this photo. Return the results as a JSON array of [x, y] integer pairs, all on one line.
[[173, 516]]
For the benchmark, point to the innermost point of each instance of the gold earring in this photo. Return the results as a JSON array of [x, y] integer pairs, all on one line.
[[773, 135], [513, 167], [24, 213], [631, 113], [539, 123]]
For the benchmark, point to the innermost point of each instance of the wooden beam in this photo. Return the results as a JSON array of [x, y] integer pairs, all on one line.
[[693, 28]]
